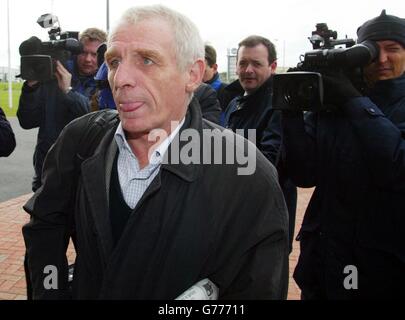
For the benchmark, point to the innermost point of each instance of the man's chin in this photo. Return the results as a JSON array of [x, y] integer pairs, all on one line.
[[87, 72]]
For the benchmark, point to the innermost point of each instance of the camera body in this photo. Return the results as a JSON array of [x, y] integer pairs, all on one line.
[[301, 88], [38, 58]]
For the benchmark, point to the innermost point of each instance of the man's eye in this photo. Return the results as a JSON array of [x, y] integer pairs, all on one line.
[[113, 64], [147, 61]]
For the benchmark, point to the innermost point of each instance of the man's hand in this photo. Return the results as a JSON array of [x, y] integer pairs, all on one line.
[[64, 77], [338, 89]]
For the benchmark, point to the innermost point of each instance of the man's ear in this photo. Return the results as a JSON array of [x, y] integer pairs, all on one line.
[[196, 73], [273, 67]]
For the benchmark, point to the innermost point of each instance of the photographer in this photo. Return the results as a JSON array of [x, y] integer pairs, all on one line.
[[53, 104], [351, 238], [7, 139]]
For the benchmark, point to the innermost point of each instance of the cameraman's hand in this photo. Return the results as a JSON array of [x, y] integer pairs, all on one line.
[[338, 89], [64, 77]]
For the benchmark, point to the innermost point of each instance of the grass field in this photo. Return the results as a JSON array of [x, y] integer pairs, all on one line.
[[4, 97]]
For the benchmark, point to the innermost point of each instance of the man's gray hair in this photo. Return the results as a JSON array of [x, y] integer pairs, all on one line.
[[188, 43]]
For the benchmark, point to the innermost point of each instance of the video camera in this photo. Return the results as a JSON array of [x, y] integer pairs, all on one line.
[[301, 88], [38, 58]]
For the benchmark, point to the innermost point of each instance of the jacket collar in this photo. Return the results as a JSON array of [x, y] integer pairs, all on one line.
[[387, 92], [97, 185], [255, 99], [172, 161]]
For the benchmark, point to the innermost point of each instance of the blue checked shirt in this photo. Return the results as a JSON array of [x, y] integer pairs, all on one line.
[[133, 180]]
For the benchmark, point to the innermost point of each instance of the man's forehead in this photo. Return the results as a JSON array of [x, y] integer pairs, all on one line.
[[257, 50], [149, 32], [389, 43]]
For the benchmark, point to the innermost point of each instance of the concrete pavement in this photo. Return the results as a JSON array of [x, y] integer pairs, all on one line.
[[16, 171]]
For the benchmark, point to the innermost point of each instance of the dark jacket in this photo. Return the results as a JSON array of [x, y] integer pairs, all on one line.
[[195, 221], [7, 139], [210, 108], [219, 87], [355, 157], [47, 107], [255, 111], [230, 92]]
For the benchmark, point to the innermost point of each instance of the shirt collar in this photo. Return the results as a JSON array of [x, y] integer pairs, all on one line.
[[158, 153]]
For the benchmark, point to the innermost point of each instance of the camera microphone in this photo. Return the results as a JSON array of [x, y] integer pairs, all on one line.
[[30, 46]]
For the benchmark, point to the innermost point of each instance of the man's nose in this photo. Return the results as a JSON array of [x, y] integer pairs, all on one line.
[[124, 76], [90, 57], [249, 68], [382, 57]]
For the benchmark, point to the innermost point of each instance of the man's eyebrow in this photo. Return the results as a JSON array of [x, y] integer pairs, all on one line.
[[110, 53], [153, 54], [392, 45], [149, 53]]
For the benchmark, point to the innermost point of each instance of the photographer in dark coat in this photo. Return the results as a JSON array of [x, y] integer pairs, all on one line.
[[7, 138], [351, 238], [52, 105]]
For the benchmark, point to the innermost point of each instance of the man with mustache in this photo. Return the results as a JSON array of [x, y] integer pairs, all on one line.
[[352, 236], [252, 109]]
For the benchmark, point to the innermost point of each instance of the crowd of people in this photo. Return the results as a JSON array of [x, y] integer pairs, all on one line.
[[146, 224]]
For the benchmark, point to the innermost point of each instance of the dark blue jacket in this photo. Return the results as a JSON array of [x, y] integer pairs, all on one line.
[[255, 111], [47, 107], [7, 139], [219, 87], [355, 157]]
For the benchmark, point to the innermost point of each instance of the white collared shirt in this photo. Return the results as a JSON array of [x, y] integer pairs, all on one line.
[[133, 180]]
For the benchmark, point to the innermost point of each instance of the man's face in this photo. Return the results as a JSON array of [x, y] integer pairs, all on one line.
[[390, 64], [87, 61], [253, 67], [148, 88], [209, 71]]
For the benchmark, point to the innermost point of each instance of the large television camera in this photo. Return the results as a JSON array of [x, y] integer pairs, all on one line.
[[38, 59], [301, 88]]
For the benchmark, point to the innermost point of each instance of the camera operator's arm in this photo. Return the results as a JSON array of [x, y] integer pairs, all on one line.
[[298, 150], [31, 105], [76, 103], [382, 142], [7, 138]]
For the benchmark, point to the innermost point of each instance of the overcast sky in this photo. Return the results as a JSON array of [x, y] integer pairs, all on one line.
[[222, 23]]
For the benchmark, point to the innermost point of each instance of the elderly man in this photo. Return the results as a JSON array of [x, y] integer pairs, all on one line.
[[149, 225], [354, 154]]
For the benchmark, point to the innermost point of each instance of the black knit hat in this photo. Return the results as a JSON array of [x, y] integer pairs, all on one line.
[[383, 27]]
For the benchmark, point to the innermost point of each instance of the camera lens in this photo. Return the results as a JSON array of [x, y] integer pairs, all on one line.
[[300, 93]]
